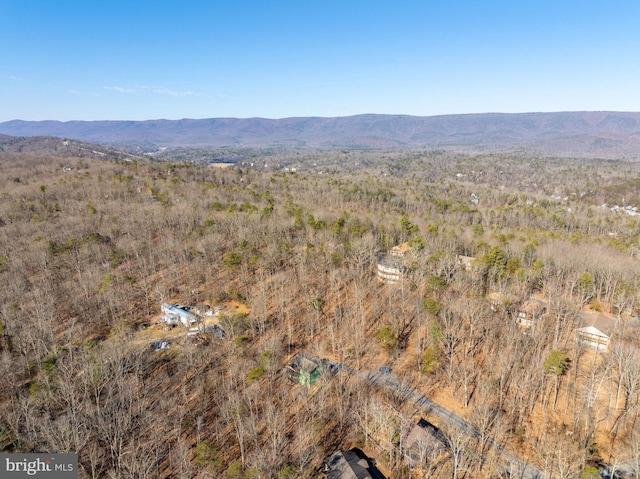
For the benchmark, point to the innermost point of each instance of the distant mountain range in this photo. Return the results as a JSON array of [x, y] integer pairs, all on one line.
[[604, 134]]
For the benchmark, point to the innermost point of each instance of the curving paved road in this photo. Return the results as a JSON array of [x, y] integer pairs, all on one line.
[[624, 469], [516, 467]]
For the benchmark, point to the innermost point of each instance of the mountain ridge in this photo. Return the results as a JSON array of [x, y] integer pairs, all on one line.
[[606, 133], [60, 147]]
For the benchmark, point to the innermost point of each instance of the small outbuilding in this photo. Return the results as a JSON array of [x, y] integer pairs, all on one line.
[[501, 302], [530, 312], [399, 251], [304, 370], [213, 329], [465, 262]]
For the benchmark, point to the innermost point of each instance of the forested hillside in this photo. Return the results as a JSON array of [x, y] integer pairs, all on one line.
[[91, 248]]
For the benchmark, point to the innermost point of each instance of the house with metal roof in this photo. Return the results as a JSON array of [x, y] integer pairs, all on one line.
[[173, 314]]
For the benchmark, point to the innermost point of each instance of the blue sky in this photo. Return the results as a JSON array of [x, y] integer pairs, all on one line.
[[136, 60]]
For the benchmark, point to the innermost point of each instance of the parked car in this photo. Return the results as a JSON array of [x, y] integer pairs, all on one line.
[[160, 345]]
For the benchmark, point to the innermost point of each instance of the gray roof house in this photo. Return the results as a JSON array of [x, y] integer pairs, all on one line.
[[391, 269], [392, 266], [422, 442], [351, 464]]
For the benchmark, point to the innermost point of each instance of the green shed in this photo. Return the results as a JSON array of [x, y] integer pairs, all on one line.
[[309, 372]]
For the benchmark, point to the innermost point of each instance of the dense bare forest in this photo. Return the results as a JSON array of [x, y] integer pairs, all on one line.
[[288, 250]]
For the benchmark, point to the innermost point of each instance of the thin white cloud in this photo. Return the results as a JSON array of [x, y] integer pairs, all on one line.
[[120, 89], [167, 91], [157, 90], [80, 93], [15, 78]]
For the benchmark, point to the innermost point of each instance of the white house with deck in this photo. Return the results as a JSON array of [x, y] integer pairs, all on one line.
[[595, 330]]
